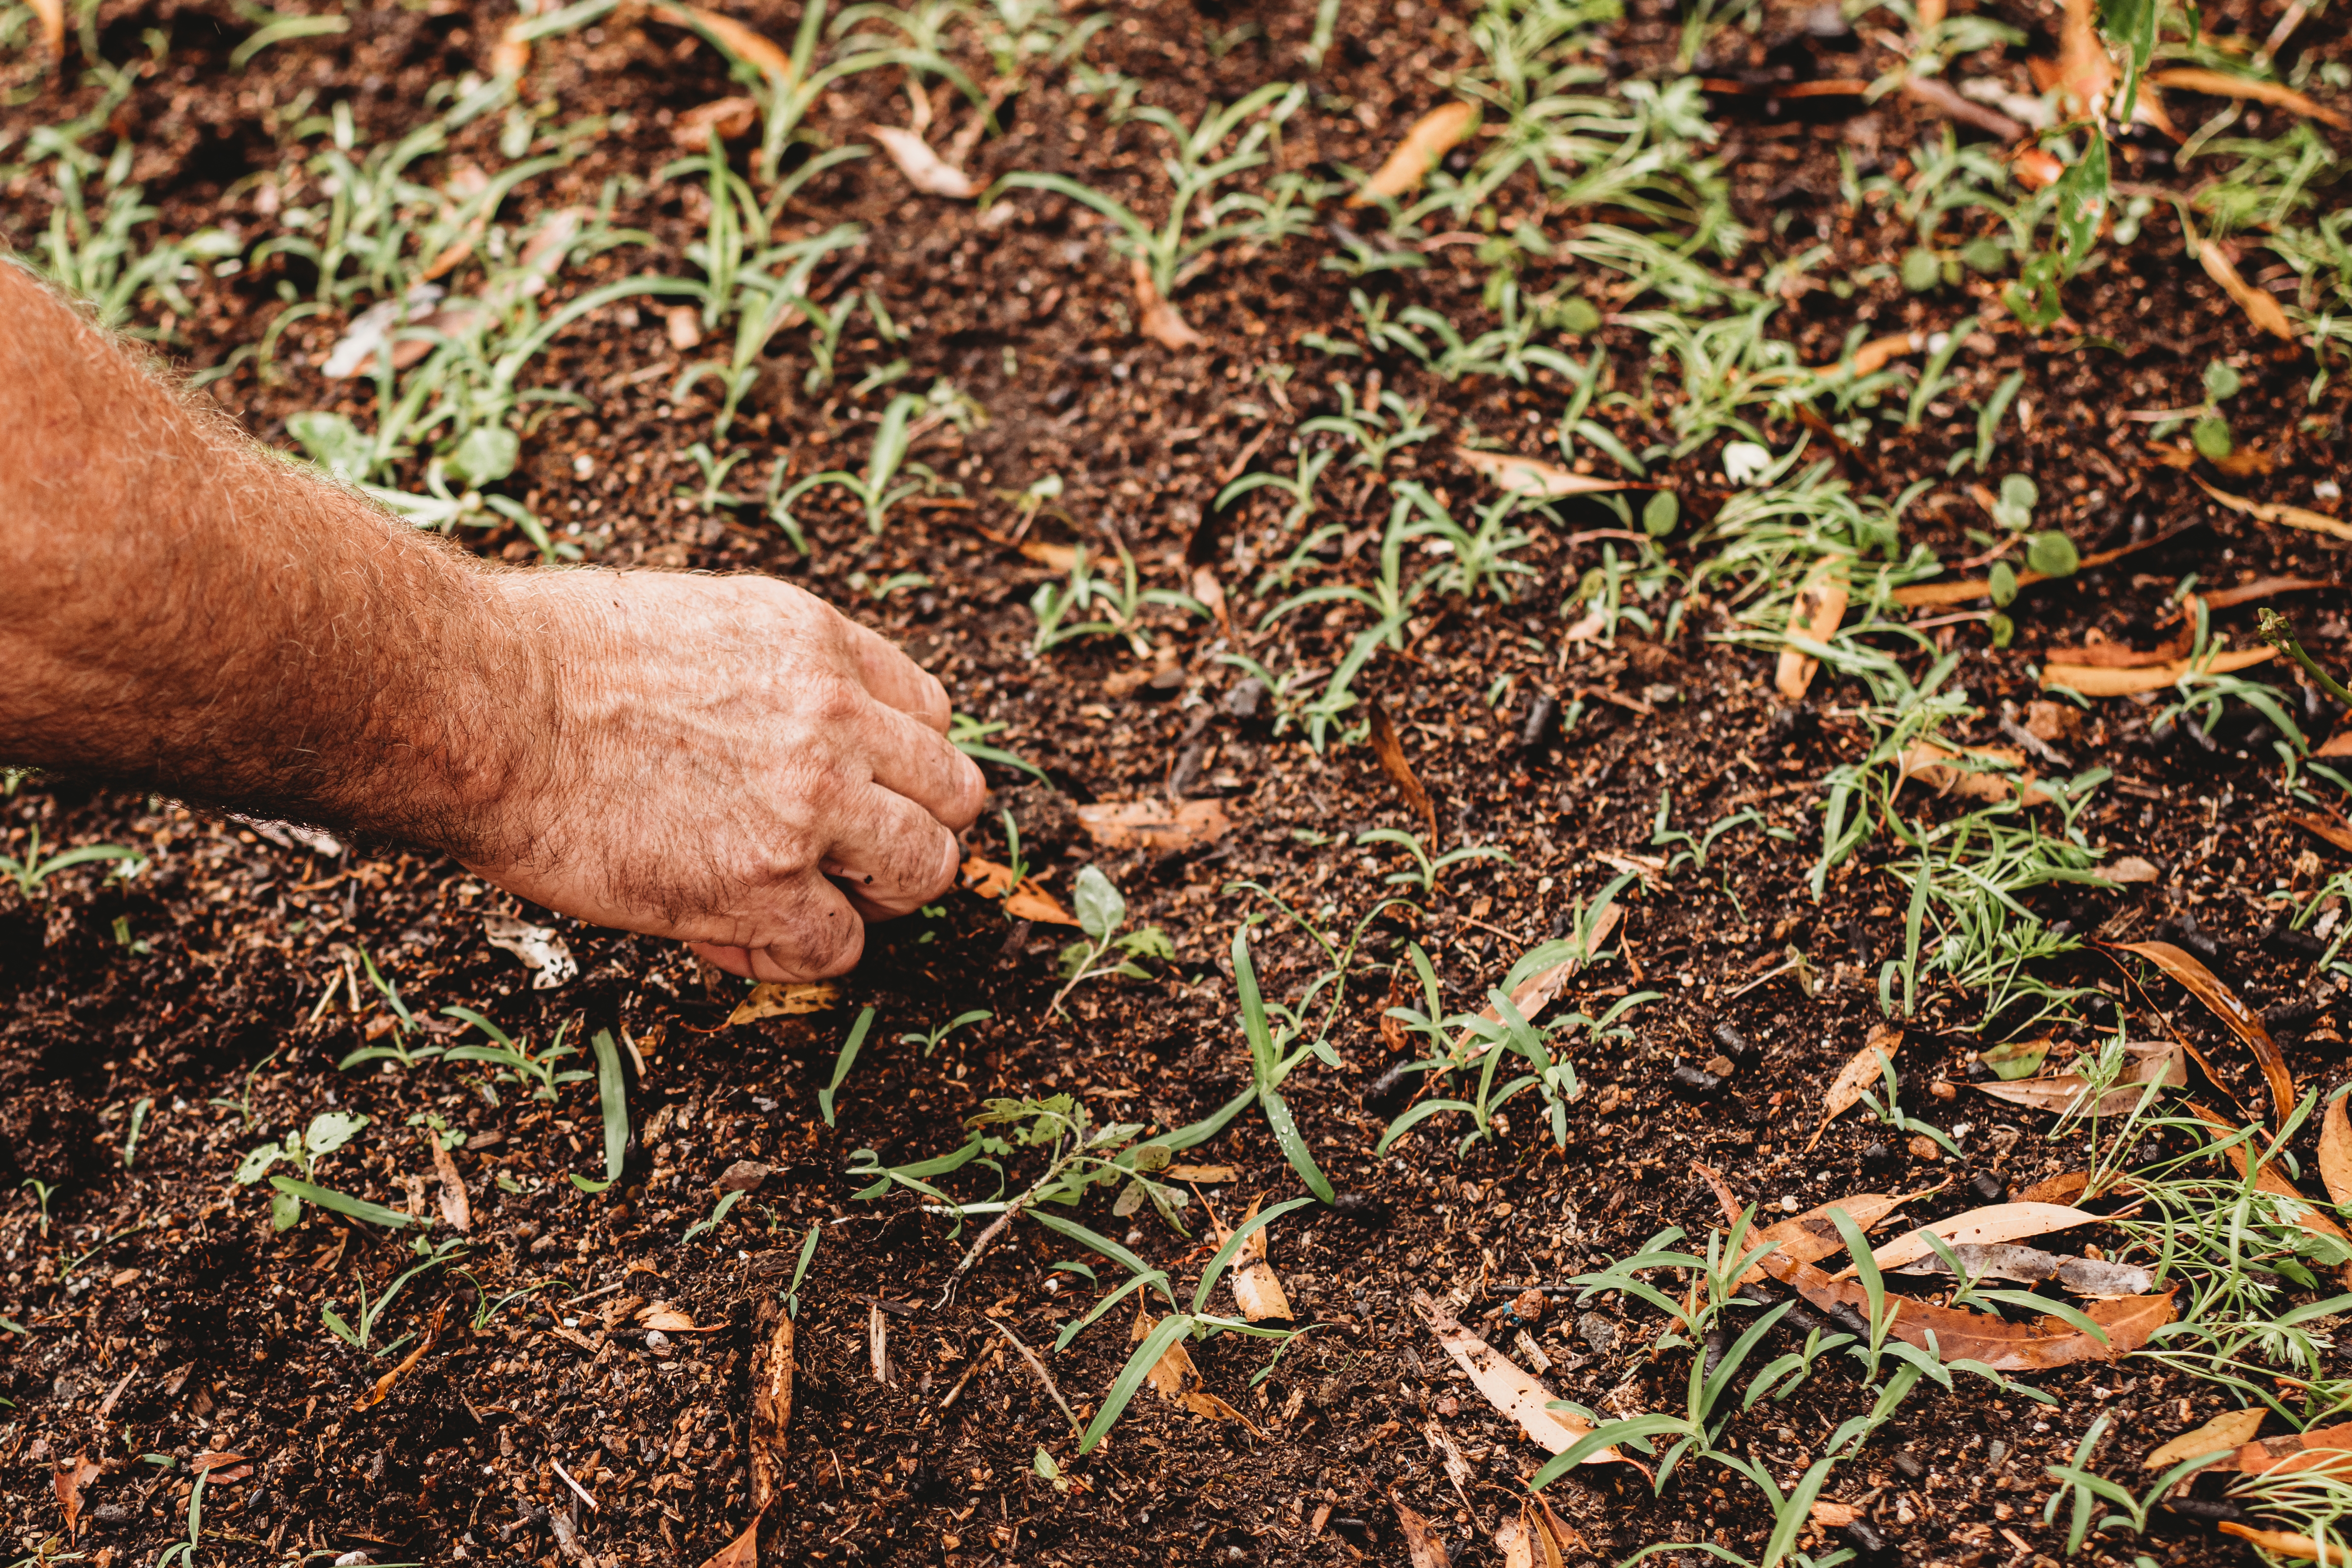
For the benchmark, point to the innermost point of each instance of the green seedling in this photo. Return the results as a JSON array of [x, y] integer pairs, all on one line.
[[613, 1103], [371, 1308], [243, 1103], [1119, 601], [970, 736], [727, 1201], [844, 1062], [930, 1039], [30, 870], [516, 1061], [138, 1124], [1425, 871], [42, 1193], [403, 1025], [800, 1271], [714, 493], [877, 489], [182, 1553], [1102, 915], [329, 1131]]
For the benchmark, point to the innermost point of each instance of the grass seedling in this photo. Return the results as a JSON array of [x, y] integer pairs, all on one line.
[[929, 1040], [1121, 599], [29, 870], [800, 1271], [1102, 911], [727, 1200], [371, 1308], [613, 1101], [327, 1132], [877, 489], [42, 1193], [1424, 872], [516, 1061], [970, 736], [403, 1024], [844, 1062], [182, 1553], [137, 1124]]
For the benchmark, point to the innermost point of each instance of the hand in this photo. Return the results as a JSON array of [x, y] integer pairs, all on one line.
[[729, 760]]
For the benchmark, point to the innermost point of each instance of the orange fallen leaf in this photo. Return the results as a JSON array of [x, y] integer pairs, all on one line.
[[67, 1481], [1423, 1549], [2267, 1180], [2185, 970], [1258, 1289], [1206, 1176], [1819, 610], [510, 56], [2336, 1153], [1919, 595], [729, 117], [1532, 476], [384, 1385], [224, 1469], [2214, 84], [753, 48], [2091, 681], [2280, 1543], [773, 1000], [925, 170], [743, 1552], [2036, 167], [1025, 902], [2279, 512], [1845, 1089], [456, 1210], [1508, 1389], [1178, 1380], [1388, 748], [670, 1320], [1811, 1236], [2261, 308], [1157, 318], [1154, 824], [2322, 1447], [2324, 823], [1429, 138], [1939, 769], [1539, 992], [2064, 1093]]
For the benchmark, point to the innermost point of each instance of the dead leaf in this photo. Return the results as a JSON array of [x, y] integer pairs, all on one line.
[[2120, 655], [2323, 1447], [1556, 1539], [2084, 71], [2267, 1179], [543, 952], [1811, 1236], [1157, 319], [52, 14], [2223, 1435], [1258, 1289], [1936, 766], [1429, 138], [1979, 1226], [1390, 749], [1211, 594], [2336, 1153], [2244, 1021], [1514, 1542], [1539, 992], [1918, 595], [2036, 167], [1532, 476], [770, 1000], [729, 117], [67, 1481], [1026, 902], [771, 1415], [2263, 588], [384, 1385], [2324, 823], [924, 169], [2001, 1345], [2261, 307], [2090, 1277], [1205, 1176], [1422, 1546], [1505, 1386], [225, 1469], [1155, 825], [743, 1552], [2152, 1062], [670, 1320], [455, 1209], [755, 49], [1176, 1379], [2215, 84], [2280, 1542], [1857, 1075], [1819, 609], [2126, 870], [2279, 512], [2092, 681], [1875, 355]]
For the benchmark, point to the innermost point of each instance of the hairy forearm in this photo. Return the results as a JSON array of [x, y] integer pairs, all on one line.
[[182, 610]]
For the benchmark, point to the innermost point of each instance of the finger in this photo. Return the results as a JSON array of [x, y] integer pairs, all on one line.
[[896, 679], [910, 760], [892, 855], [800, 929]]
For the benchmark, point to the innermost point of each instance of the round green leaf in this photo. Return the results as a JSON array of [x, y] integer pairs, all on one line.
[[2053, 555], [487, 454], [1102, 910], [1659, 516], [2002, 580], [1922, 269], [2211, 435], [1984, 253], [1576, 316], [2220, 381], [2004, 630]]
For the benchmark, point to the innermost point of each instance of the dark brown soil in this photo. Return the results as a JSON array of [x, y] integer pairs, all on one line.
[[155, 1314]]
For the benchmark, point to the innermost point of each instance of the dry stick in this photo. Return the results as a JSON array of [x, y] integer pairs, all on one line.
[[1940, 96], [977, 1363], [1043, 1376]]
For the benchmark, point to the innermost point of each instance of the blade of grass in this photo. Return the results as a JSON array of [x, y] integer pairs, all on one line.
[[842, 1063]]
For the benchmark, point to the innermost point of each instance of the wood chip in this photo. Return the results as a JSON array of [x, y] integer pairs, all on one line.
[[2323, 823], [2279, 512], [2261, 307], [1532, 476], [455, 1211], [1155, 825], [1429, 138], [1816, 614], [771, 1414], [1845, 1089], [924, 169], [2216, 84], [2093, 682], [1157, 318]]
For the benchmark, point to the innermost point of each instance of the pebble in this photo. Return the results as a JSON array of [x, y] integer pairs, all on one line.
[[1736, 1045], [1598, 1332], [1988, 1187], [744, 1175], [1923, 1147]]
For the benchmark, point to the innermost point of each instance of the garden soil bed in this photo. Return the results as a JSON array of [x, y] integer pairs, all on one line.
[[153, 1314]]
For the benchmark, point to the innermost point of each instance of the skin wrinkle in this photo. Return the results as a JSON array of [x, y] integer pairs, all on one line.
[[671, 753]]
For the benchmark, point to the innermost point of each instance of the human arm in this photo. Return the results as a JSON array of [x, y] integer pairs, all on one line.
[[726, 760]]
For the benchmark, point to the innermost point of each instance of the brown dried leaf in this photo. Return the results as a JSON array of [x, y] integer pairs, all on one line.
[[2085, 71], [1936, 766], [2090, 1277], [1505, 1386], [743, 1552], [2324, 1448], [224, 1469], [731, 117], [1026, 902], [2279, 512], [2325, 823], [1556, 1539], [455, 1209], [1157, 318], [1178, 1380], [67, 1481], [1820, 606], [1532, 476], [1155, 825], [1918, 594], [2263, 588], [2092, 681], [755, 49], [2158, 1061], [772, 1418], [670, 1320], [1258, 1289], [1992, 1223], [1514, 1542], [2267, 1179], [2336, 1153], [770, 1001], [384, 1385], [1390, 749], [1879, 353], [1429, 138], [1809, 1237], [2215, 84], [2224, 1435], [1205, 1176], [2244, 1022], [925, 170], [1539, 992], [1422, 1546], [1857, 1075], [2261, 307]]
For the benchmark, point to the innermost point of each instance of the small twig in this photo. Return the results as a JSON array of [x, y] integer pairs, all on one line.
[[1043, 1376], [977, 1363], [566, 1477], [979, 1245]]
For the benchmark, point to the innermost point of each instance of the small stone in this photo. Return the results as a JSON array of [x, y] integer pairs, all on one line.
[[1923, 1147], [1531, 1304], [1598, 1332], [744, 1175], [1721, 1066], [1988, 1187], [1449, 1406], [1735, 1044], [1695, 1082], [1942, 1090]]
